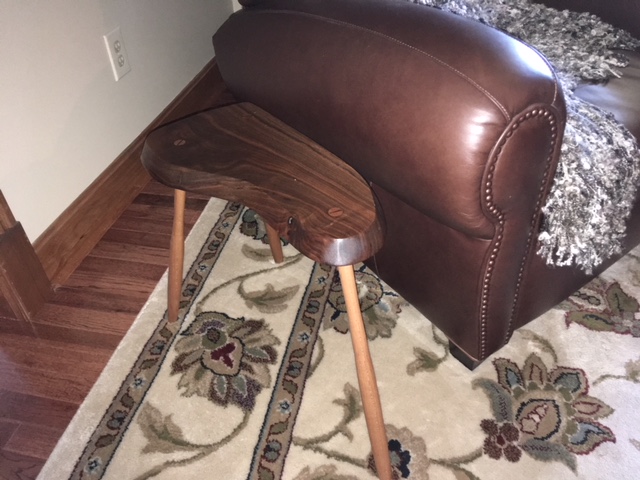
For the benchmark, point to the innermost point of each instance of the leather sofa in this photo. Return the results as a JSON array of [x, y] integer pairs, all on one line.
[[456, 126]]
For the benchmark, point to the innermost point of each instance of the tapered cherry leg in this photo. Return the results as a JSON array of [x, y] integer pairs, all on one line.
[[275, 244], [366, 374], [177, 255]]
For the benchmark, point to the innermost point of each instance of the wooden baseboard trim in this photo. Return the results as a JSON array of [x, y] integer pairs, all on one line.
[[70, 238]]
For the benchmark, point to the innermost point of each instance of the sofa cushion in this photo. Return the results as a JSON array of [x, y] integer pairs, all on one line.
[[621, 96]]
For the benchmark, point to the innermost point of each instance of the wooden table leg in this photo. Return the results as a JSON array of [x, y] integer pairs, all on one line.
[[366, 374], [176, 255], [275, 244]]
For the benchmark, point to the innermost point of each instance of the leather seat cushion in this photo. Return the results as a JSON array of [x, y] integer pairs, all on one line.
[[621, 96]]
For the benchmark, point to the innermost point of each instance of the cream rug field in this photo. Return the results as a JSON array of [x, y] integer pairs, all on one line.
[[257, 381]]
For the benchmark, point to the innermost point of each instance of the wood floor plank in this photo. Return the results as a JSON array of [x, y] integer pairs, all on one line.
[[159, 213], [13, 325], [84, 320], [107, 267], [142, 225], [108, 338], [124, 252], [7, 429], [15, 466], [105, 301], [51, 356], [135, 288], [48, 366], [25, 408], [156, 188], [80, 337], [132, 291], [63, 386], [193, 201], [139, 217], [133, 238], [36, 441]]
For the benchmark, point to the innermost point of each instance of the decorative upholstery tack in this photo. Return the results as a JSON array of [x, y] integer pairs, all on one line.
[[595, 184]]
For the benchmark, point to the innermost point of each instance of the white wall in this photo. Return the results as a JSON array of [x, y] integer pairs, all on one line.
[[63, 118]]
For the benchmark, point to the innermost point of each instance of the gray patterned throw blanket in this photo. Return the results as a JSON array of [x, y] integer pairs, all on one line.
[[596, 180]]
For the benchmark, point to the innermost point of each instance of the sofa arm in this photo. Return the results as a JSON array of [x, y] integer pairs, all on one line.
[[414, 98]]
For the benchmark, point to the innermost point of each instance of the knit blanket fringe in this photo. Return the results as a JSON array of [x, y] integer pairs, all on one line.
[[595, 184]]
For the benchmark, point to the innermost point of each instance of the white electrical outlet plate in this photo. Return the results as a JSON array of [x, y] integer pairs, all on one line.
[[117, 54]]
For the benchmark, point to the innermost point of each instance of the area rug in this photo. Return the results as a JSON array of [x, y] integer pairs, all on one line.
[[257, 380]]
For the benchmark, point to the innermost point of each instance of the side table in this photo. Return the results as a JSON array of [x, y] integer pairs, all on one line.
[[302, 192]]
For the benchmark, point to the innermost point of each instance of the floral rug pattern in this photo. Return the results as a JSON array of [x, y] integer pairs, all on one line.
[[256, 380]]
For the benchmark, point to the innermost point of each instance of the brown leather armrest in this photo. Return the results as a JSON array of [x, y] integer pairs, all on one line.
[[414, 98]]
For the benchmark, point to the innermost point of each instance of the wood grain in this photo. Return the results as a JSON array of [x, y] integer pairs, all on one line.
[[33, 440], [241, 153], [48, 365], [26, 408], [18, 466], [7, 429]]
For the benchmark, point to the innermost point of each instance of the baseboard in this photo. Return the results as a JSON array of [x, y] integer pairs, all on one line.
[[70, 238]]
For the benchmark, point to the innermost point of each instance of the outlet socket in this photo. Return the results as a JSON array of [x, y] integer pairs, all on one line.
[[117, 53]]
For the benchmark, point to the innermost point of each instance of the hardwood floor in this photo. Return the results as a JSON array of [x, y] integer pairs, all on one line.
[[48, 367]]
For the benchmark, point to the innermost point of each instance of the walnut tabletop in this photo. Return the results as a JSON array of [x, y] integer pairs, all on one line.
[[241, 153]]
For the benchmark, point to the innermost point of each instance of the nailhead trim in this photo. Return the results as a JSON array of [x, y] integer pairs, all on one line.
[[499, 216]]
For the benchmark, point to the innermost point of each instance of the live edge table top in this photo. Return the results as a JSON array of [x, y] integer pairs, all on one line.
[[241, 153]]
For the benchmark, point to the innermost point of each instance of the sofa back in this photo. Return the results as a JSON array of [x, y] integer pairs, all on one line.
[[414, 98], [621, 13]]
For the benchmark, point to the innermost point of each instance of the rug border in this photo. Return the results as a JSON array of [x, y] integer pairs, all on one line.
[[61, 461]]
